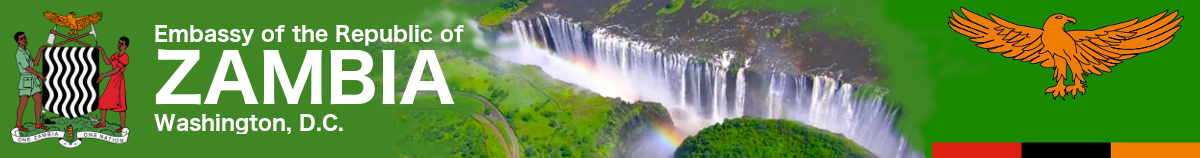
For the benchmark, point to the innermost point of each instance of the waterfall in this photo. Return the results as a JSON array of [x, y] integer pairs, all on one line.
[[739, 105], [696, 89]]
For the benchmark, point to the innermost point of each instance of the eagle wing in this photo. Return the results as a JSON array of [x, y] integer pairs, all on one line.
[[1101, 49], [87, 20], [57, 19], [1000, 36]]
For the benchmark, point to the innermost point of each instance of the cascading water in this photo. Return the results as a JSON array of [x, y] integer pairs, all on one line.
[[696, 90]]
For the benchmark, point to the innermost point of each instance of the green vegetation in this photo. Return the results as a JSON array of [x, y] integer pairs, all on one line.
[[753, 137], [494, 17], [773, 33], [440, 133], [849, 20], [671, 7], [615, 9], [708, 18], [462, 104], [554, 119], [737, 13], [550, 118], [506, 9], [698, 3], [430, 129]]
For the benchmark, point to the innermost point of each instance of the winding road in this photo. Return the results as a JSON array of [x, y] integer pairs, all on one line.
[[507, 151], [496, 115], [514, 148]]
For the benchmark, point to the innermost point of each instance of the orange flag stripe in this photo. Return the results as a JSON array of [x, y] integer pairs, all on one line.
[[1164, 150]]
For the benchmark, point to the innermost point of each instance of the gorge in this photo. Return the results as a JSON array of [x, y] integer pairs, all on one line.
[[698, 91]]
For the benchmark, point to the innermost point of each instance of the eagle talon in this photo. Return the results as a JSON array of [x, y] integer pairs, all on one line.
[[1057, 91], [1076, 89]]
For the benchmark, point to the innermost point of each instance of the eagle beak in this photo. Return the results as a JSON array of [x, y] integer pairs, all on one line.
[[1070, 19]]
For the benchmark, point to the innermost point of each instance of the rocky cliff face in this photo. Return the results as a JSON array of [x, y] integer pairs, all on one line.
[[698, 91], [643, 117], [704, 66], [771, 41]]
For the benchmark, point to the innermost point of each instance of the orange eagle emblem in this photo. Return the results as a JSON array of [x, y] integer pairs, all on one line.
[[1083, 52], [70, 21]]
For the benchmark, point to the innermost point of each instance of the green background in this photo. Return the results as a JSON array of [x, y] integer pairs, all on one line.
[[951, 90], [956, 92], [367, 127]]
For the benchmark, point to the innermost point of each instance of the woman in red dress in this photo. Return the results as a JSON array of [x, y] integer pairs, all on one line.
[[114, 96]]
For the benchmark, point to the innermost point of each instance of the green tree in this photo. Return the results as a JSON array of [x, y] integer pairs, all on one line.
[[754, 137]]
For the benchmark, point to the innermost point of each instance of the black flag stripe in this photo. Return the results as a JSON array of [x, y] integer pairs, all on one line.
[[1056, 150]]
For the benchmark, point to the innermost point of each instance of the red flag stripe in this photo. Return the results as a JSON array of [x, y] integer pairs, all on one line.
[[977, 150]]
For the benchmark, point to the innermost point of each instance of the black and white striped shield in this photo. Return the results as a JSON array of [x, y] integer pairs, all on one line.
[[70, 87]]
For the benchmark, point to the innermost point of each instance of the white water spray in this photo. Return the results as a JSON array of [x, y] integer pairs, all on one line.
[[694, 90]]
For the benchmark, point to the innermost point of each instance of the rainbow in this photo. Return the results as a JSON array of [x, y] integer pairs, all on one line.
[[583, 72], [666, 135]]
